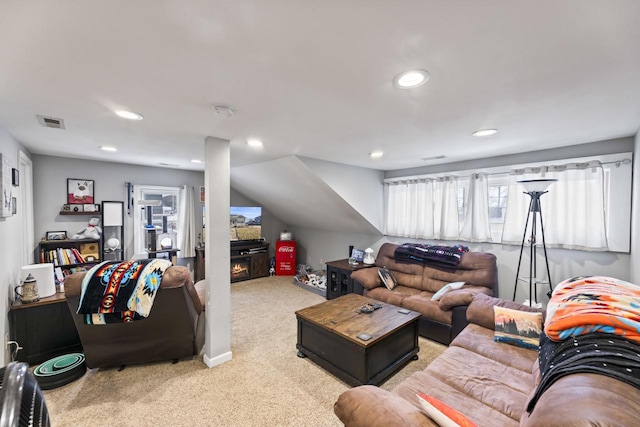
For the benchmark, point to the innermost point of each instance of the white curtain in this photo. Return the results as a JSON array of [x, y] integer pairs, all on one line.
[[423, 208], [476, 227], [573, 210], [446, 224], [186, 223], [410, 208]]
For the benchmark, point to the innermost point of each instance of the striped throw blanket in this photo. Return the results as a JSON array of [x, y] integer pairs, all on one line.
[[116, 292], [430, 254], [594, 304]]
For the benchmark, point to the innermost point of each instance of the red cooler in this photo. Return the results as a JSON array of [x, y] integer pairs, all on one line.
[[285, 258]]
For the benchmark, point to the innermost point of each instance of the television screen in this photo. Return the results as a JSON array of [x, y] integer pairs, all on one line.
[[245, 223]]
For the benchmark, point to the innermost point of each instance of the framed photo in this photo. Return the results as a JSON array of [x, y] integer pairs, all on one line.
[[76, 208], [80, 191], [90, 208], [357, 254], [202, 194], [14, 206], [56, 235], [15, 177]]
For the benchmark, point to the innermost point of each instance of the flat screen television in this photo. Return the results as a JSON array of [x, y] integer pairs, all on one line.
[[245, 223]]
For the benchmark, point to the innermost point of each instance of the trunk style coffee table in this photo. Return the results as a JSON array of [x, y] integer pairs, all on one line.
[[328, 333]]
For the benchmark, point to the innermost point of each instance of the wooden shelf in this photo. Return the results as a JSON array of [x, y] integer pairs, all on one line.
[[80, 213]]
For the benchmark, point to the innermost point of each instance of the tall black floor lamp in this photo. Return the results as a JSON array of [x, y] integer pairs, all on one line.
[[534, 188]]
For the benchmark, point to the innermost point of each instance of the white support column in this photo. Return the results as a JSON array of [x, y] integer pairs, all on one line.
[[217, 259]]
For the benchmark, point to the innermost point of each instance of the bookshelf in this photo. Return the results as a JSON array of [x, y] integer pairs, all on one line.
[[69, 256]]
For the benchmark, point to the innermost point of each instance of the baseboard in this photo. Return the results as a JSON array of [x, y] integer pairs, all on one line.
[[218, 360]]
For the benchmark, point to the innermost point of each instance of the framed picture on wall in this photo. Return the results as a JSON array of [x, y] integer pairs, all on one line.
[[79, 191]]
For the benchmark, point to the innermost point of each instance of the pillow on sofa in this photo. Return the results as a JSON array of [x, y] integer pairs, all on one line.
[[442, 414], [519, 328], [446, 288], [387, 278]]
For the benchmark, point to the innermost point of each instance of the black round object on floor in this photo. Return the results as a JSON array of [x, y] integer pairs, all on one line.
[[60, 370]]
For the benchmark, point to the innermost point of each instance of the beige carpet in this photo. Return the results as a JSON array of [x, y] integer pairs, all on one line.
[[265, 384]]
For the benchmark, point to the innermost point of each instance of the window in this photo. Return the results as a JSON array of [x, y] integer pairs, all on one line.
[[566, 226], [497, 203], [154, 207]]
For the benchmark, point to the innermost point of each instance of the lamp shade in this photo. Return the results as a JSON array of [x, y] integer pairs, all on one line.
[[536, 185], [43, 273]]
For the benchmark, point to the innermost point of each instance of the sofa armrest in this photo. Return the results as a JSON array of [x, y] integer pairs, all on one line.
[[595, 400], [480, 310], [368, 278], [462, 296], [370, 406]]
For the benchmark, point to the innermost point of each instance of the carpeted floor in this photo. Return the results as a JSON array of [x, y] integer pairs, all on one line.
[[265, 384]]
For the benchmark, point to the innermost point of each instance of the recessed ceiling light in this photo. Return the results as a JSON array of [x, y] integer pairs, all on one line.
[[196, 161], [108, 148], [376, 154], [255, 143], [411, 79], [485, 132], [128, 115]]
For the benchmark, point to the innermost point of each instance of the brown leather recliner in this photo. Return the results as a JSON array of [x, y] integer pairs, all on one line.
[[174, 329]]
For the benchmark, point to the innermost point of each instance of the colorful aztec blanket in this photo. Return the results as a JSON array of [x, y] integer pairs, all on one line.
[[116, 292], [594, 304], [427, 254]]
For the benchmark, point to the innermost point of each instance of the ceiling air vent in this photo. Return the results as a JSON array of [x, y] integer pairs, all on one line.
[[50, 122]]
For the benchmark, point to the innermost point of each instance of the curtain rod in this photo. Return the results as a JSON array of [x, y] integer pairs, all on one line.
[[618, 163]]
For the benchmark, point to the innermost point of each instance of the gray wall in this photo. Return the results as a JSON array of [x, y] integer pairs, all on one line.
[[361, 187], [50, 184], [11, 238]]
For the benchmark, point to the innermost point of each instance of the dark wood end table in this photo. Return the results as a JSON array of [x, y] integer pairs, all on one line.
[[328, 335], [339, 281]]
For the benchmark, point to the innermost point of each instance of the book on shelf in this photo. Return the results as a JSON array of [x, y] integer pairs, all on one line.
[[62, 256]]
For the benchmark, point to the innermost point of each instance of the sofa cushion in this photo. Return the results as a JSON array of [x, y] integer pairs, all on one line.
[[475, 268], [480, 340], [519, 328], [394, 297], [442, 413], [482, 379], [423, 304]]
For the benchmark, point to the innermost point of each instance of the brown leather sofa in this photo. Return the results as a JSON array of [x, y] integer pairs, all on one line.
[[174, 329], [491, 383], [441, 320]]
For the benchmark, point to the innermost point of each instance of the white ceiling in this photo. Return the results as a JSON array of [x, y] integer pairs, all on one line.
[[314, 78]]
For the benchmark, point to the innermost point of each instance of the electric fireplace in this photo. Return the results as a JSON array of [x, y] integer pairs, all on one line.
[[240, 269]]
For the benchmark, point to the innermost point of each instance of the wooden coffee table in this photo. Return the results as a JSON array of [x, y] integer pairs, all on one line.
[[328, 335]]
